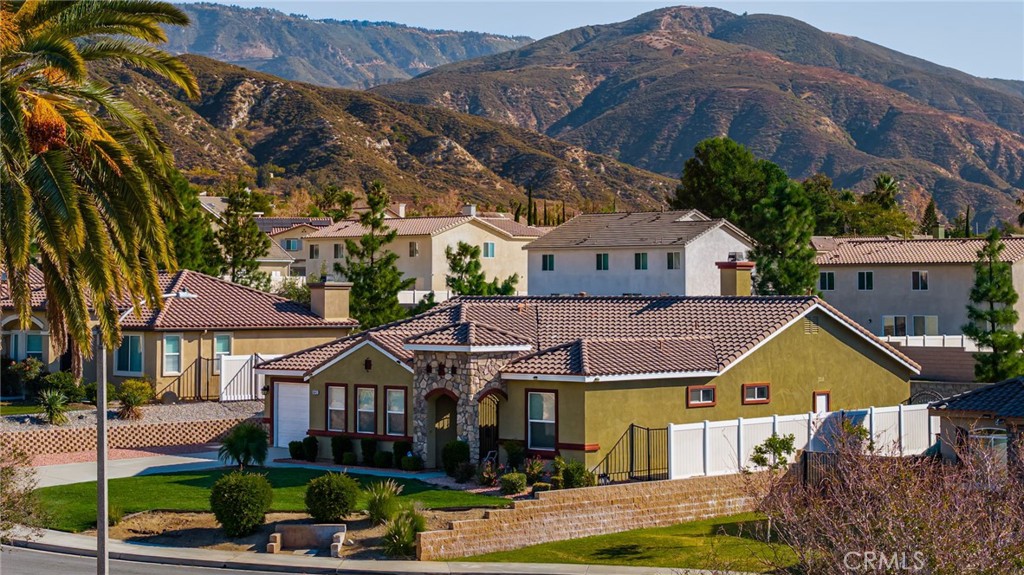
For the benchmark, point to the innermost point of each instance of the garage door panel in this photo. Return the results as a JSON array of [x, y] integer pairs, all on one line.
[[291, 412]]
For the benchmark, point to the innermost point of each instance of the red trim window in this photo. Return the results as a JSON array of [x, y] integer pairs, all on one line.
[[827, 395], [366, 409], [396, 414], [541, 419], [337, 407], [701, 396], [756, 393]]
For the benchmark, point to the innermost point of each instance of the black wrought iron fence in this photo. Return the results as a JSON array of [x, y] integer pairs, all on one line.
[[641, 454], [194, 383]]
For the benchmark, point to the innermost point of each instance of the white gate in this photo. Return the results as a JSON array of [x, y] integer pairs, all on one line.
[[238, 380]]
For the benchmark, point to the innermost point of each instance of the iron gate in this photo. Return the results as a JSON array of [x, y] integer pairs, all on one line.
[[641, 454]]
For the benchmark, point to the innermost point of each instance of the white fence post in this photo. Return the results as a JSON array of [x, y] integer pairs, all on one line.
[[871, 422], [775, 424], [810, 431], [671, 451], [739, 443], [901, 427], [707, 448]]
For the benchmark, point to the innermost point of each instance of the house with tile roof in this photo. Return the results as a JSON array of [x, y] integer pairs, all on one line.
[[990, 418], [568, 375], [907, 287], [421, 244], [17, 342], [644, 253]]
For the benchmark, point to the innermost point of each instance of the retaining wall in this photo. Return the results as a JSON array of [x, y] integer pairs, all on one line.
[[127, 436], [574, 513]]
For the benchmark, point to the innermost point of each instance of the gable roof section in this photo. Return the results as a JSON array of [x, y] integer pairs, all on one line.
[[268, 224], [428, 226], [882, 251], [1004, 399], [214, 204], [276, 254], [696, 335], [640, 229]]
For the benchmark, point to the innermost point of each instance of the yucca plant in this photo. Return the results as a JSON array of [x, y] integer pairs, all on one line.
[[382, 505], [245, 445], [55, 406], [399, 538]]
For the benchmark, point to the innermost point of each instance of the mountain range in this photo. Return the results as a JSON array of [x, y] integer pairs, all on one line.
[[246, 119], [645, 91], [338, 53]]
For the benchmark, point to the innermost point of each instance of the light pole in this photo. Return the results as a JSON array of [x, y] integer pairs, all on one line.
[[102, 513]]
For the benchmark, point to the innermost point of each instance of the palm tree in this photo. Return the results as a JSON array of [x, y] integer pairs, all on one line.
[[885, 190], [84, 174]]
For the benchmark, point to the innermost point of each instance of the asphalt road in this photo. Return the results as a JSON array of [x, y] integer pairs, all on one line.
[[18, 561]]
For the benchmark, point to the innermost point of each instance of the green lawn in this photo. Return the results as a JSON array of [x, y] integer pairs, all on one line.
[[73, 507], [721, 543]]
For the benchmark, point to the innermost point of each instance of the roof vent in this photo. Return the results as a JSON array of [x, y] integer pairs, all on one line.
[[185, 294]]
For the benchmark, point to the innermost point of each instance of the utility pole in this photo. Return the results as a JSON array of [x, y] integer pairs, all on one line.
[[102, 513]]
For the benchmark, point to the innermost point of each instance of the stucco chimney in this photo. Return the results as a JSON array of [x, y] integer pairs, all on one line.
[[329, 299], [399, 210], [735, 277], [469, 210]]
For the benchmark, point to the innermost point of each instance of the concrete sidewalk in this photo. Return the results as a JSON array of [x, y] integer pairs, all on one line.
[[70, 544]]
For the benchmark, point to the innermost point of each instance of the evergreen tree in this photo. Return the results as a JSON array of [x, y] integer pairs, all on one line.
[[930, 219], [335, 202], [531, 210], [195, 246], [992, 315], [466, 276], [784, 256], [723, 179], [372, 268], [241, 240]]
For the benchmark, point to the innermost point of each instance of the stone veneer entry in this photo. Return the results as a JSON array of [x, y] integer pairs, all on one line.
[[473, 376], [574, 513]]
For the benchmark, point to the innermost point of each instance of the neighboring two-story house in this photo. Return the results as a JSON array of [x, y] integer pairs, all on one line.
[[645, 253], [287, 240], [907, 287], [421, 242]]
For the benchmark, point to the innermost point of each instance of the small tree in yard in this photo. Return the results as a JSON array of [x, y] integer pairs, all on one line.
[[774, 452], [992, 315], [245, 445], [19, 506]]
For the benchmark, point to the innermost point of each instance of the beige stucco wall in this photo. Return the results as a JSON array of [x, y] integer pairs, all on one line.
[[509, 255], [39, 326]]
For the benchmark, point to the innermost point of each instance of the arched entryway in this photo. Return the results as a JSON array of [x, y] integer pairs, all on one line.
[[488, 417], [444, 424]]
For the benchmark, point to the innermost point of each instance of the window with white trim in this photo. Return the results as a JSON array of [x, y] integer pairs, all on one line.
[[291, 244], [488, 249], [826, 281], [395, 412], [675, 261], [221, 347], [172, 354], [336, 408], [894, 325], [640, 261], [128, 357], [755, 393], [865, 281], [919, 281], [602, 262], [366, 412], [34, 345], [541, 420], [339, 251], [314, 251], [414, 249], [926, 325], [547, 262], [700, 396]]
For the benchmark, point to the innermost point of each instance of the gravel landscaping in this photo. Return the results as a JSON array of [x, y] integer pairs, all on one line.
[[198, 411]]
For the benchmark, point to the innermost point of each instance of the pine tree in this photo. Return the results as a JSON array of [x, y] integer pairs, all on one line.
[[372, 268], [466, 276], [992, 315], [241, 239], [930, 219], [195, 245], [784, 256], [531, 209]]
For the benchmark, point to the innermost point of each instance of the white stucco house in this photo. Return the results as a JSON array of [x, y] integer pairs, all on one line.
[[643, 253]]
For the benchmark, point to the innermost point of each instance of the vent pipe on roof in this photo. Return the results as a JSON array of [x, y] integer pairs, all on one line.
[[469, 210]]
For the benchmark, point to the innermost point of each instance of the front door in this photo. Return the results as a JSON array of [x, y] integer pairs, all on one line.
[[821, 402], [445, 427], [488, 418]]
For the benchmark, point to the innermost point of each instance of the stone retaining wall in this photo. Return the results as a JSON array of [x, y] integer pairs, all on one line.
[[574, 513], [141, 434]]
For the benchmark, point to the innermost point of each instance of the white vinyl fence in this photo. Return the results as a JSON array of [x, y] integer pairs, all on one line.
[[725, 447], [238, 380]]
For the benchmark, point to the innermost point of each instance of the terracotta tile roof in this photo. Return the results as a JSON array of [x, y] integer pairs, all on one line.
[[597, 357], [36, 286], [268, 224], [1005, 399], [204, 302], [425, 226], [512, 227], [469, 333], [861, 251], [647, 229], [733, 325]]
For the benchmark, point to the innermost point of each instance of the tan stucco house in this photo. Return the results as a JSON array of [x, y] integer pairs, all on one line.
[[17, 343], [569, 374]]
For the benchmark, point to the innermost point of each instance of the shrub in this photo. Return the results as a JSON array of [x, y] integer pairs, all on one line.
[[115, 513], [383, 459], [534, 469], [465, 472], [412, 463], [330, 497], [400, 535], [310, 448], [65, 383], [240, 502], [382, 505], [89, 391], [55, 406], [540, 486], [454, 453], [512, 483], [515, 453], [557, 482], [295, 450], [133, 394], [487, 475], [340, 445], [576, 475], [349, 458], [245, 445], [369, 447], [27, 374], [558, 465], [401, 449]]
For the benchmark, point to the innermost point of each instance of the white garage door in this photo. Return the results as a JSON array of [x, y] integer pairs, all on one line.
[[291, 412]]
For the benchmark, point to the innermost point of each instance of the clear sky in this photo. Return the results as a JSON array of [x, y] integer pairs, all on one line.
[[984, 38]]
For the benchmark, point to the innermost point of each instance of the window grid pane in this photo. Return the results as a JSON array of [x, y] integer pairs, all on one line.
[[366, 417], [640, 261], [602, 262]]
